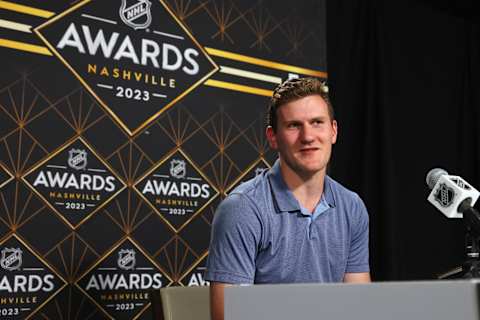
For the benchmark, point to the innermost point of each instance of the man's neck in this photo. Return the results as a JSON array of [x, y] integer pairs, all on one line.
[[307, 189]]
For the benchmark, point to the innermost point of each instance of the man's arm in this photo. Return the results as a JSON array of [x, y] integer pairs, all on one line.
[[217, 308], [236, 232], [357, 277], [358, 269]]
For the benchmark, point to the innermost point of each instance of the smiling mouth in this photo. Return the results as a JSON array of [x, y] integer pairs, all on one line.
[[308, 150]]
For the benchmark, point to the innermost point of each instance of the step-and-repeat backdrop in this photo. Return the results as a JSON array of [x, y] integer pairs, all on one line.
[[122, 125]]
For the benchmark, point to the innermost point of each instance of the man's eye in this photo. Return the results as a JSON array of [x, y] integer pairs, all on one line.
[[293, 125], [317, 122]]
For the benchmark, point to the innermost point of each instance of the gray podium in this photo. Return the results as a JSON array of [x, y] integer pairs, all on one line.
[[422, 300]]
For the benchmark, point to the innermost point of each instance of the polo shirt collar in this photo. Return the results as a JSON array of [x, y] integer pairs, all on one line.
[[328, 192], [284, 198]]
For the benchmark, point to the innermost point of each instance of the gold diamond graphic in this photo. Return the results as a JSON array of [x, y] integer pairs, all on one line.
[[74, 181], [134, 56], [121, 282], [28, 282], [176, 189]]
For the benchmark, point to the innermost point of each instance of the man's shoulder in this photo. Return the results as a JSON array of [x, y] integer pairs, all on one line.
[[348, 203], [254, 187], [341, 193], [250, 196], [243, 205]]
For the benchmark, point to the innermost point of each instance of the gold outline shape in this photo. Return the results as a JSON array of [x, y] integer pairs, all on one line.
[[3, 184], [50, 268], [253, 75], [100, 101], [242, 175], [165, 159], [105, 256], [238, 87], [264, 63], [25, 9], [23, 46], [203, 256], [53, 154], [16, 26]]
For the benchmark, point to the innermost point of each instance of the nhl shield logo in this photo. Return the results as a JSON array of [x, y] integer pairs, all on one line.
[[136, 14], [77, 159], [444, 195], [11, 259], [178, 168], [126, 259]]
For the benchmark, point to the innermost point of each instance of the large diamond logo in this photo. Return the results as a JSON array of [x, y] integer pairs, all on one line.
[[121, 283], [134, 56], [176, 189], [75, 182], [5, 176], [27, 282]]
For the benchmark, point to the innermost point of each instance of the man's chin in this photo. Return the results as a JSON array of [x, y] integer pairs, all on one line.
[[309, 170], [305, 168], [310, 164]]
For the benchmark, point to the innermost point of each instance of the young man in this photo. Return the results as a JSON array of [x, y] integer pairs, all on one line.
[[292, 223]]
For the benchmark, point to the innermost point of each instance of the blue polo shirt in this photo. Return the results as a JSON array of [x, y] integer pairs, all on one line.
[[260, 234]]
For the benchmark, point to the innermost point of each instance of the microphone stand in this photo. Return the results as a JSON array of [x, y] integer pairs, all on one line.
[[471, 217], [471, 266]]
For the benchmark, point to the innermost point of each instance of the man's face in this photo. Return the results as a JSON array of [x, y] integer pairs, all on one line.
[[305, 135]]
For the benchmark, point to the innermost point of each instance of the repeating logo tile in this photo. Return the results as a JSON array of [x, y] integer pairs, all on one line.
[[176, 189], [75, 182], [26, 281], [128, 54], [120, 283]]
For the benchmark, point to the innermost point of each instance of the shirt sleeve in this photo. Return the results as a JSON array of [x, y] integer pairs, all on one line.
[[235, 238], [358, 255]]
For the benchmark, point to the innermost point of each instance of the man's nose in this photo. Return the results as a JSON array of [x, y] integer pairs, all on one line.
[[306, 134]]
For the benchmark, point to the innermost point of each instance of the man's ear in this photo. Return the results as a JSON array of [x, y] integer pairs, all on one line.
[[272, 139], [335, 131]]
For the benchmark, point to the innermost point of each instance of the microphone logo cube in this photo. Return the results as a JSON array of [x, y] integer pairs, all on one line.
[[444, 195], [449, 192]]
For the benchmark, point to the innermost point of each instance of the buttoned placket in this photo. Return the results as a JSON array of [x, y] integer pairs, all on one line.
[[321, 207]]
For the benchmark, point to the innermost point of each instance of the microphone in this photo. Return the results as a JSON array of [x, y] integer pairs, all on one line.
[[450, 194]]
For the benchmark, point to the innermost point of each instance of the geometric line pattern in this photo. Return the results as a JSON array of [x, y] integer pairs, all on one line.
[[221, 133]]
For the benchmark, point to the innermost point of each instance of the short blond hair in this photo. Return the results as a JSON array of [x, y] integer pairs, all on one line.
[[295, 89]]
